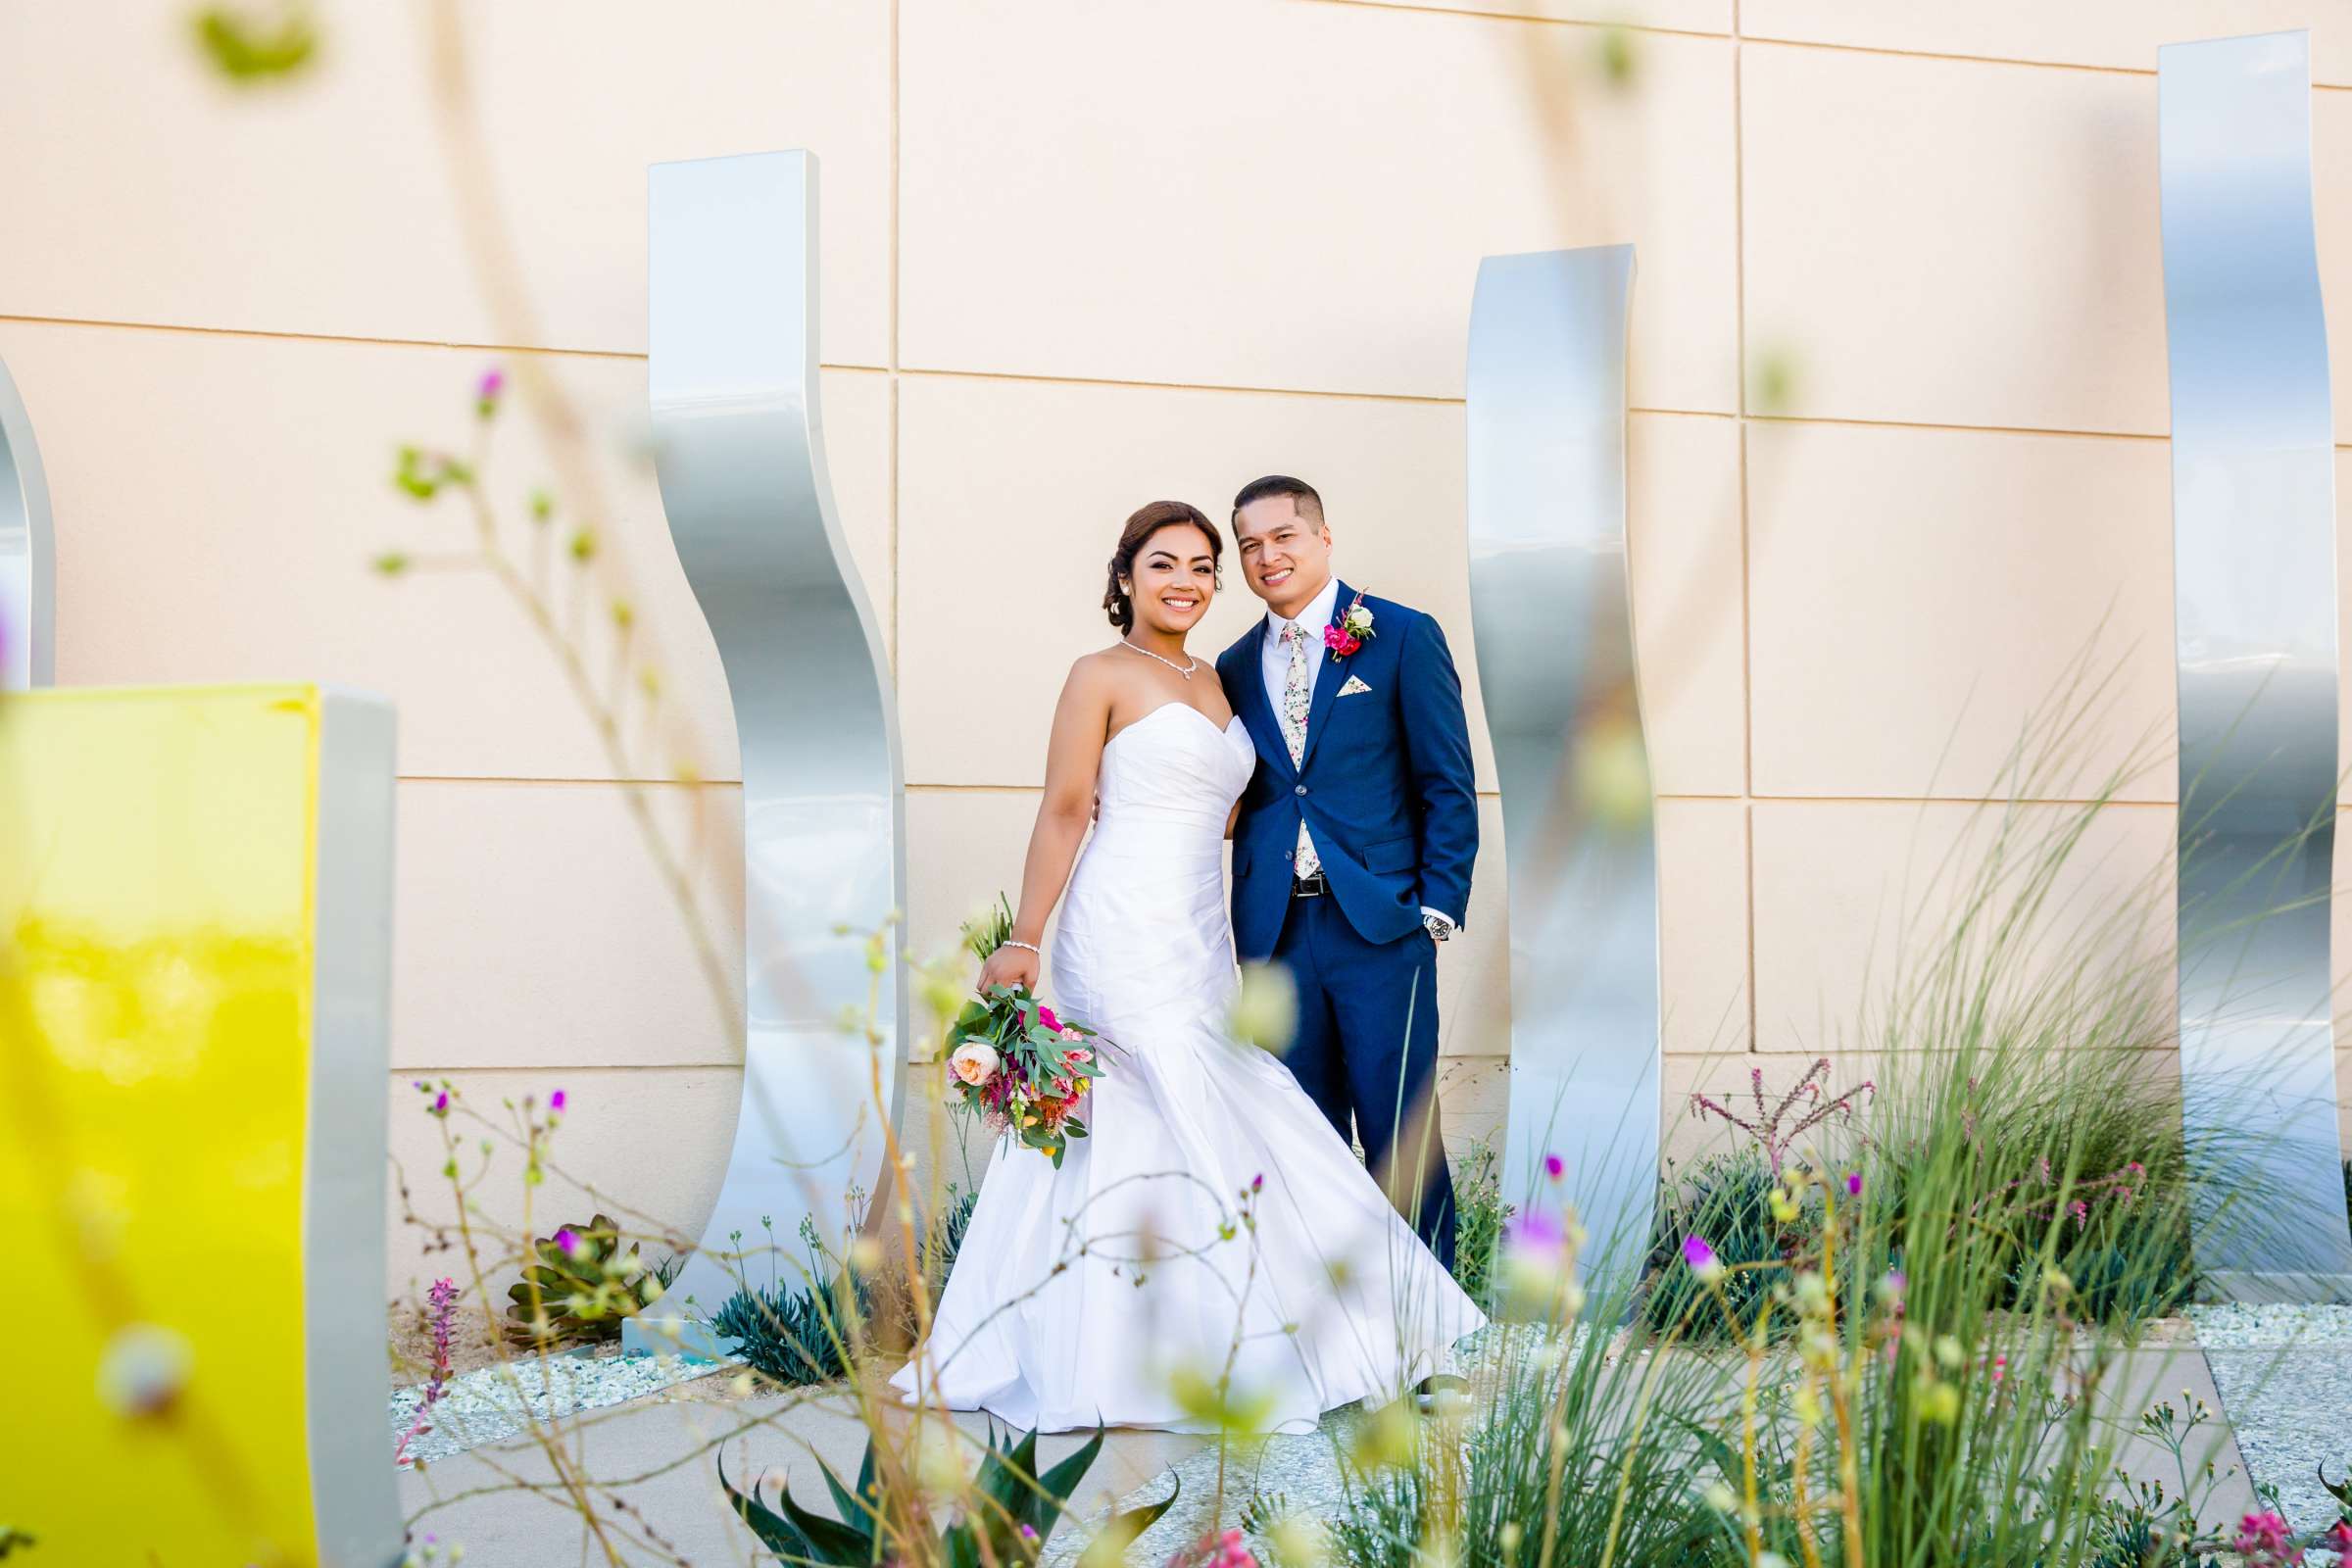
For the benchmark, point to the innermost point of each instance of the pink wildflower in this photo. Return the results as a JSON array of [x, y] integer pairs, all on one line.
[[1228, 1550], [2266, 1540], [1554, 1166], [444, 1300], [554, 1102]]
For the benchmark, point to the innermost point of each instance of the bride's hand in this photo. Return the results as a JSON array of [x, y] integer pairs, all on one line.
[[1009, 966]]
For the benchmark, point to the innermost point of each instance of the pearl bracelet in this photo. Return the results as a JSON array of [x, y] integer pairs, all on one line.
[[1023, 945]]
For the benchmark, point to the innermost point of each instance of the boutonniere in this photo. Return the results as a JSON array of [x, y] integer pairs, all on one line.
[[1349, 632]]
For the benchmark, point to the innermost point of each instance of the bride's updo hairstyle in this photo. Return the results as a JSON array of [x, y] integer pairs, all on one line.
[[1147, 521]]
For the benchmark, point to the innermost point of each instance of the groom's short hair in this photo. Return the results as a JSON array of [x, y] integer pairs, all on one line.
[[1303, 497]]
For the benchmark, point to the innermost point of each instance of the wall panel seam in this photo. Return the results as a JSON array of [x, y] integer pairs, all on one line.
[[908, 373], [958, 787], [1739, 33], [360, 339], [1476, 15]]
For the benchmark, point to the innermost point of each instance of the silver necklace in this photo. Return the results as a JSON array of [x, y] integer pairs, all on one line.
[[1185, 669]]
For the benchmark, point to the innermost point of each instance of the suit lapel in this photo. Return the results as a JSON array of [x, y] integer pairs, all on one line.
[[1329, 674], [1257, 714]]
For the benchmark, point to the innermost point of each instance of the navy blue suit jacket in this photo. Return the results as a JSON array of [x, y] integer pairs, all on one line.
[[1385, 786]]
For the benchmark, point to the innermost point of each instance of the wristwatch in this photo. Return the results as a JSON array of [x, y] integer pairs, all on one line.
[[1438, 927]]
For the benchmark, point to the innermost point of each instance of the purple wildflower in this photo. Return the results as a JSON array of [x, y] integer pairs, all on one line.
[[487, 390], [1554, 1166], [569, 1239], [1701, 1257], [1853, 1184], [1536, 1231], [554, 1102]]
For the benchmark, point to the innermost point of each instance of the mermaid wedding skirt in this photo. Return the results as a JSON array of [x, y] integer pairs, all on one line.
[[1212, 1220]]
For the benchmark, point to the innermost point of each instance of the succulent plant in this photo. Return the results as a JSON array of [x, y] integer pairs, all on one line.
[[1011, 1509], [587, 1284], [792, 1335]]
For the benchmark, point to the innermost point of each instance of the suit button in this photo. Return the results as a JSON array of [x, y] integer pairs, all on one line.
[[1290, 855], [1299, 789]]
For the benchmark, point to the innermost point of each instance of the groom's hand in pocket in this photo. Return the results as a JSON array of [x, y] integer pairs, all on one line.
[[1008, 966]]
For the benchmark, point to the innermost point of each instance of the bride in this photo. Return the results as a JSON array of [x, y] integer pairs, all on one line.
[[1212, 1251]]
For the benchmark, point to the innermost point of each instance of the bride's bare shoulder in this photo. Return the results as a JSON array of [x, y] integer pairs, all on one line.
[[1095, 677]]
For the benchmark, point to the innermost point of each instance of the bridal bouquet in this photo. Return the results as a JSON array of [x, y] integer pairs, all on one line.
[[1016, 1065]]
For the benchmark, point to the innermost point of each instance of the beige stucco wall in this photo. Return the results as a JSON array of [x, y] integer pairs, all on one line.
[[1079, 254]]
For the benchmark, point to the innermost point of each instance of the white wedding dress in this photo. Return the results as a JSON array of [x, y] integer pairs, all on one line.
[[1115, 1290]]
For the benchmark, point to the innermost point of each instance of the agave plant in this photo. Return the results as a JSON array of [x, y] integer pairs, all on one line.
[[582, 1284], [1005, 1521]]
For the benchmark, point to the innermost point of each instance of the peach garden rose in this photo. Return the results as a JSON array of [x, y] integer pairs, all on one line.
[[975, 1061]]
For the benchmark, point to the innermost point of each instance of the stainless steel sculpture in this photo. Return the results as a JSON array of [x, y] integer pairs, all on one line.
[[26, 555], [351, 1062], [1556, 663], [2254, 550], [739, 453]]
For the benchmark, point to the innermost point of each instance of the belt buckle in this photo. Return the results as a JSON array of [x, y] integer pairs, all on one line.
[[1307, 886]]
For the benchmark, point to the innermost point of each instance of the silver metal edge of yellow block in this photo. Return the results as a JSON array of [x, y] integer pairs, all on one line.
[[27, 554], [2255, 624], [1553, 623], [739, 451], [353, 1500]]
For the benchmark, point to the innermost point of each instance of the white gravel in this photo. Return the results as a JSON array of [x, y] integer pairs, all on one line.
[[2232, 1327], [486, 1406]]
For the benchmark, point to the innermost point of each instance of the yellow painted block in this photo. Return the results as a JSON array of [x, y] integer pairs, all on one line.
[[194, 889]]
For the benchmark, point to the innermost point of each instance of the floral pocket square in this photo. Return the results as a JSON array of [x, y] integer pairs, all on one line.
[[1353, 686]]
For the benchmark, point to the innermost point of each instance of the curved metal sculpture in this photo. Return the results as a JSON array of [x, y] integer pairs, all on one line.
[[739, 453], [1555, 664], [2254, 571], [26, 554]]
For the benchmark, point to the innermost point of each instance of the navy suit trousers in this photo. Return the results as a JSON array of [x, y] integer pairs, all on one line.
[[1367, 1050]]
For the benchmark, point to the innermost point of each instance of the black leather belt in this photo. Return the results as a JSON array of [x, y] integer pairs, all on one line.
[[1308, 887]]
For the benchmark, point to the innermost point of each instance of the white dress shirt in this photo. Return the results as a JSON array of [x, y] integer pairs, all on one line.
[[1274, 663], [1274, 659]]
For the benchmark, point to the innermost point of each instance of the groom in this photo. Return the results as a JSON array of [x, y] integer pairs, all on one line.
[[1351, 854]]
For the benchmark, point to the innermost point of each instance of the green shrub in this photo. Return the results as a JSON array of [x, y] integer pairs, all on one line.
[[1479, 1214], [1726, 1199]]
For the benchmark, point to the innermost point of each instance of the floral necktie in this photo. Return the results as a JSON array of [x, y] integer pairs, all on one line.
[[1298, 696]]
